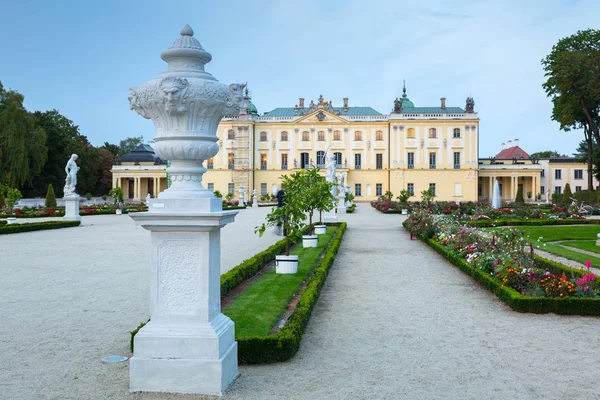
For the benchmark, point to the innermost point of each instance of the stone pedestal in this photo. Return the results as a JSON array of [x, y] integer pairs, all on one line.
[[331, 216], [189, 345], [341, 204], [254, 199], [72, 208]]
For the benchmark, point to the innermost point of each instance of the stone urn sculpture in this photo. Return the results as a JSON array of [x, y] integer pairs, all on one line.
[[189, 345]]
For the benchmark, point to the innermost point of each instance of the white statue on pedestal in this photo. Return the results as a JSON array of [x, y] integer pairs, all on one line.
[[330, 176], [71, 181]]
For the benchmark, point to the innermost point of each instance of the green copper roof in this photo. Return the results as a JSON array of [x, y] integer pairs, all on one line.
[[353, 111], [252, 108]]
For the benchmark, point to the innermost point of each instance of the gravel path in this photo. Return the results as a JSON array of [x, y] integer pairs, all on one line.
[[394, 321]]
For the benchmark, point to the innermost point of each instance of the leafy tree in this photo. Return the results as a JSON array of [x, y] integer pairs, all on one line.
[[105, 163], [567, 194], [316, 194], [218, 194], [427, 196], [50, 197], [117, 195], [591, 155], [291, 216], [404, 196], [128, 144], [547, 154], [573, 83], [519, 198], [112, 149], [23, 149], [61, 136], [388, 195], [12, 197]]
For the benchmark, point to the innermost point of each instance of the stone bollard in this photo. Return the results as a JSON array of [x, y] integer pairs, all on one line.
[[598, 240]]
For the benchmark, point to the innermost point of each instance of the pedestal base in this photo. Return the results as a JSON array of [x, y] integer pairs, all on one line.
[[199, 358], [72, 208], [330, 217]]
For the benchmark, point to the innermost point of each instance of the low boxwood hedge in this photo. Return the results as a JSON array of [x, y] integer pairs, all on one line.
[[488, 223], [514, 299], [351, 209], [3, 222], [37, 226]]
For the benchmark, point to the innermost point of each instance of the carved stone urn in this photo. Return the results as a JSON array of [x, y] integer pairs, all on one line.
[[189, 345], [186, 104]]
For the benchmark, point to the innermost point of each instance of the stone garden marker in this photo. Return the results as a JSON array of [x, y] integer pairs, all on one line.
[[189, 345], [71, 198]]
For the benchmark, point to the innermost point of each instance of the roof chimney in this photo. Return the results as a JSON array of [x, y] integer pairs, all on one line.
[[443, 100], [503, 146], [345, 102], [509, 144], [516, 142], [301, 102]]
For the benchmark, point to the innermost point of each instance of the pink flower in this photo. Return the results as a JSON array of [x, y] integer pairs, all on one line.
[[588, 264]]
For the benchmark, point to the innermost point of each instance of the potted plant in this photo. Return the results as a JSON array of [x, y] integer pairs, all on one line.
[[117, 195], [291, 217], [325, 202]]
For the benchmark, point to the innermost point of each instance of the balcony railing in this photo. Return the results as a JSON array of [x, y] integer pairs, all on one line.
[[456, 166], [320, 165], [357, 166], [379, 166], [263, 167], [431, 166], [230, 166], [411, 166], [210, 166]]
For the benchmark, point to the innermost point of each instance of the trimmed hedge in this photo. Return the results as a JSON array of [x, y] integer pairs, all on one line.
[[3, 222], [37, 226], [351, 209], [489, 223], [284, 345], [517, 301]]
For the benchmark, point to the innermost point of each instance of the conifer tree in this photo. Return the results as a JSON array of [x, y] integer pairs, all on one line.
[[50, 197]]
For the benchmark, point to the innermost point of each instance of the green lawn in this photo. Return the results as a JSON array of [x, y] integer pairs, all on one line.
[[258, 309], [589, 245], [570, 254], [552, 233]]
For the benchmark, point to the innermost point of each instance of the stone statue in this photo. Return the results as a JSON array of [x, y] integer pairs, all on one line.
[[330, 176], [341, 182], [470, 105], [397, 106], [173, 90], [71, 181]]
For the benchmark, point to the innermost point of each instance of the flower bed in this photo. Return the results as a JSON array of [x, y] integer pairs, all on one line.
[[498, 261]]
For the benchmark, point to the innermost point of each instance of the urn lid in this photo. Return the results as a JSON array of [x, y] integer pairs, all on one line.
[[187, 47]]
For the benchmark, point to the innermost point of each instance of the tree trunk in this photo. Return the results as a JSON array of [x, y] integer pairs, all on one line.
[[310, 227], [590, 143]]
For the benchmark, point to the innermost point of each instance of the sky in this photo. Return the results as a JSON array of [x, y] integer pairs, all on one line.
[[81, 57]]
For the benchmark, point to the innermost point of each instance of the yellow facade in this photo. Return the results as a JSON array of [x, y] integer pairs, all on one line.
[[412, 148]]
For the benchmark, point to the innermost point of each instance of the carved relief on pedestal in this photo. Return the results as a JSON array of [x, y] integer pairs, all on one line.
[[179, 277]]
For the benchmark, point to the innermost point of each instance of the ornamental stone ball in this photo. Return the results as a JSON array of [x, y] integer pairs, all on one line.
[[186, 104]]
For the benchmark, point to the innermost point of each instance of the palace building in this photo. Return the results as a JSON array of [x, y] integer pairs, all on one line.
[[411, 147]]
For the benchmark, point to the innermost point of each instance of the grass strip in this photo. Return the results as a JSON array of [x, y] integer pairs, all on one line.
[[36, 226], [588, 245], [487, 223], [557, 233], [258, 309], [561, 251]]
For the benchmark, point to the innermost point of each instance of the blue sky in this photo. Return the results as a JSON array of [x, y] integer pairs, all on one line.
[[81, 57]]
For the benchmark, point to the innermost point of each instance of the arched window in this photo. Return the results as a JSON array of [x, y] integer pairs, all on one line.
[[432, 133], [336, 135], [358, 135], [321, 159], [410, 133], [231, 160], [263, 136], [305, 137], [284, 137], [231, 134], [379, 135], [321, 136], [457, 133]]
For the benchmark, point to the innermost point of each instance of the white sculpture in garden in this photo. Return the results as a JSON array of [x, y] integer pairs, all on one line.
[[71, 180]]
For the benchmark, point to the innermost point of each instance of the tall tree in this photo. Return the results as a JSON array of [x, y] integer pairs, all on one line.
[[23, 149], [105, 163], [62, 134], [112, 149], [129, 144], [573, 82], [547, 154]]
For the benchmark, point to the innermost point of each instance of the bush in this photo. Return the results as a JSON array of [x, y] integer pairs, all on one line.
[[556, 198], [404, 196], [350, 209], [566, 196], [88, 196], [50, 197], [519, 199], [218, 194], [36, 226], [591, 197]]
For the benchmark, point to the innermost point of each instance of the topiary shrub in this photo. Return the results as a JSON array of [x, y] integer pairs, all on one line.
[[566, 196], [519, 199], [50, 197]]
